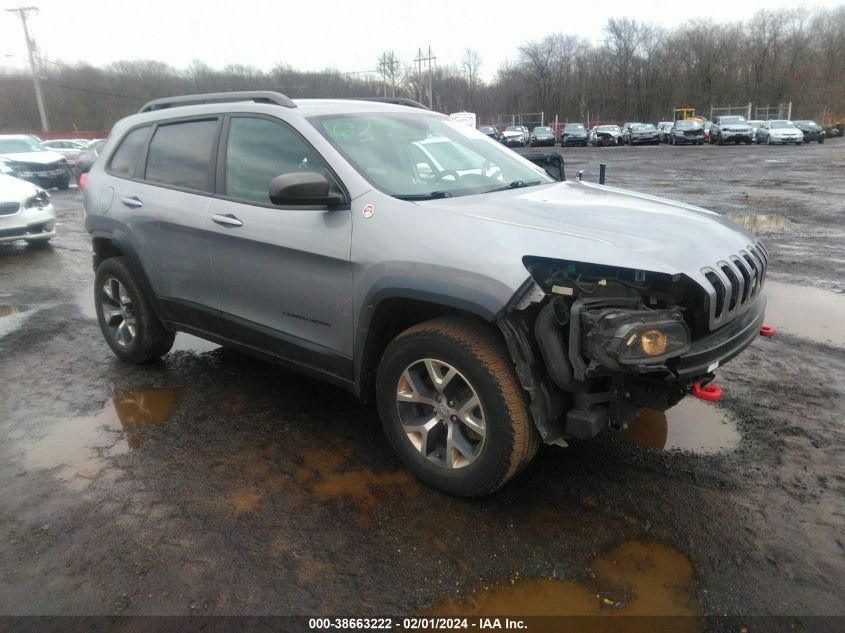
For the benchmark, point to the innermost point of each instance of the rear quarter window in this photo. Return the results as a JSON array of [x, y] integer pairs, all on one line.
[[125, 159]]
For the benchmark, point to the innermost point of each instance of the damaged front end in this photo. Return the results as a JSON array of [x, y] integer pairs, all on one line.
[[595, 344]]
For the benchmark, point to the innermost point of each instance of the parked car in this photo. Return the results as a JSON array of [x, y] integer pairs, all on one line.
[[542, 136], [527, 133], [643, 134], [492, 132], [626, 131], [812, 131], [706, 125], [779, 131], [514, 136], [687, 132], [26, 212], [574, 134], [314, 242], [754, 123], [731, 129], [664, 130], [31, 161], [69, 149], [87, 157], [602, 135]]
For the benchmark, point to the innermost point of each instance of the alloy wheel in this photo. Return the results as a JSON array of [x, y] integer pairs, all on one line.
[[441, 413], [118, 313]]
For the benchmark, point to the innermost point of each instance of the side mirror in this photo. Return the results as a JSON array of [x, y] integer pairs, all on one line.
[[304, 188]]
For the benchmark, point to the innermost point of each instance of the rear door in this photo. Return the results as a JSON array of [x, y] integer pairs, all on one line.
[[164, 208], [284, 276]]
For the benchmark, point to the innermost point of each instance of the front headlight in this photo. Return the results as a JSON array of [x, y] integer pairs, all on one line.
[[39, 200], [623, 337]]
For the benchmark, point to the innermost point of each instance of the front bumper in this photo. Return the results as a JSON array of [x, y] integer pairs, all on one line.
[[642, 140], [717, 348], [29, 224]]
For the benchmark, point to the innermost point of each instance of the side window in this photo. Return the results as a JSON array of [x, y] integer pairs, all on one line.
[[259, 150], [125, 159], [180, 154]]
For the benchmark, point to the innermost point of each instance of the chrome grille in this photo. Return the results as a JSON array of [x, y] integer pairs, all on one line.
[[735, 283], [9, 208]]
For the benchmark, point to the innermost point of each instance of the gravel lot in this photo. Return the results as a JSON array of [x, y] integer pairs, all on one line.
[[212, 483]]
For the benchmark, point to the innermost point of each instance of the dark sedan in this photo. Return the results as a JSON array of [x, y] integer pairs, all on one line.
[[489, 130], [574, 134], [812, 131], [542, 136], [689, 132], [87, 157], [643, 134]]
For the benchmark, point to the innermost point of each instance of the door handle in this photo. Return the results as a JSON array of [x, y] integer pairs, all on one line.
[[132, 202], [226, 220]]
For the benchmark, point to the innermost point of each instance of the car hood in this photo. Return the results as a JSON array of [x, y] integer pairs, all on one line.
[[585, 222], [15, 189], [41, 158]]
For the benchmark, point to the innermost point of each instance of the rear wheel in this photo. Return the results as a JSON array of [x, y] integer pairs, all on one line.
[[452, 406], [126, 318]]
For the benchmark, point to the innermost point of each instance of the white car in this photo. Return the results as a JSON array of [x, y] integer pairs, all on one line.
[[779, 131], [28, 159], [67, 148], [26, 212]]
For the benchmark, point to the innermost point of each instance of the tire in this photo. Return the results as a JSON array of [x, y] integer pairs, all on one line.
[[38, 243], [63, 184], [821, 140], [769, 140], [130, 310], [474, 358]]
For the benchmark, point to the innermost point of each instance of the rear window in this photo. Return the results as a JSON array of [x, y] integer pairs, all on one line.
[[180, 154], [125, 159]]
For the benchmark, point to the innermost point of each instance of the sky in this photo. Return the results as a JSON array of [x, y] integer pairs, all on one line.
[[316, 34]]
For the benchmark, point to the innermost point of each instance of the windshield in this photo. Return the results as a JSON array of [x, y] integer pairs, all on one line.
[[781, 125], [19, 146], [731, 120], [513, 128], [419, 156], [607, 128], [574, 127], [542, 130], [808, 123], [643, 127]]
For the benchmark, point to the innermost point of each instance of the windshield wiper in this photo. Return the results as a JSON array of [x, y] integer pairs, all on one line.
[[424, 196], [516, 184]]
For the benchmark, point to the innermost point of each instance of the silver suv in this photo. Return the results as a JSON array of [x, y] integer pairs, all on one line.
[[410, 259]]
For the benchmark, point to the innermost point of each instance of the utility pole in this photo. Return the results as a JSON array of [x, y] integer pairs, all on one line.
[[420, 59], [23, 13]]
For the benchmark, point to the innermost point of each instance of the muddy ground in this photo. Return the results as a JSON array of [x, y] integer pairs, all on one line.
[[212, 483]]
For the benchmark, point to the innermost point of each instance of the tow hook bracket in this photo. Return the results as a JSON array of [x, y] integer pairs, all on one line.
[[767, 330], [711, 393]]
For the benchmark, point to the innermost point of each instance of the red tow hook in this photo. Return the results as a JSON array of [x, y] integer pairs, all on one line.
[[767, 330], [711, 393]]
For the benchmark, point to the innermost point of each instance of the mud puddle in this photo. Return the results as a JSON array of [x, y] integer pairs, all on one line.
[[807, 312], [692, 425], [77, 449], [633, 578], [758, 222], [11, 317]]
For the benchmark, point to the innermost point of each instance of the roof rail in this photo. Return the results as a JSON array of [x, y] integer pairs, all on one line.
[[258, 96], [394, 100]]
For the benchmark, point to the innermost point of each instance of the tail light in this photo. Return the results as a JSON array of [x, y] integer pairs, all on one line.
[[83, 179]]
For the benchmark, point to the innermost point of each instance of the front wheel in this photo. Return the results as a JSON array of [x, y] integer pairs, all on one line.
[[127, 320], [452, 406]]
